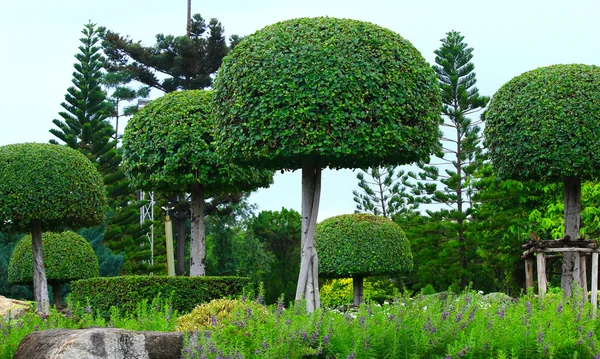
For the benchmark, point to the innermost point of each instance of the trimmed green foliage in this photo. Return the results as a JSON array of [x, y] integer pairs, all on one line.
[[125, 292], [219, 312], [67, 256], [342, 93], [545, 124], [168, 146], [55, 184], [361, 244]]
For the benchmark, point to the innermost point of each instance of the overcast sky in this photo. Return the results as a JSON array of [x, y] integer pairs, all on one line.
[[40, 38]]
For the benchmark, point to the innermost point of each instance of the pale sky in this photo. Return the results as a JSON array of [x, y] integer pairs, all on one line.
[[40, 39]]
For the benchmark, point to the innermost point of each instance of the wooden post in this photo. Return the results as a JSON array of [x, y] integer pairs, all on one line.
[[595, 281], [528, 273], [541, 273], [583, 270]]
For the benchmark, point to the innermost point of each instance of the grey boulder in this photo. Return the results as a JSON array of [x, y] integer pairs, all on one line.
[[100, 343]]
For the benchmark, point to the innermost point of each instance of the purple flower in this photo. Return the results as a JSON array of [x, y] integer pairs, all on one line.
[[501, 313], [529, 310], [459, 317], [259, 299], [213, 320], [361, 320], [280, 308], [265, 345], [326, 339], [560, 308], [445, 315], [351, 356], [540, 337], [391, 317], [88, 309]]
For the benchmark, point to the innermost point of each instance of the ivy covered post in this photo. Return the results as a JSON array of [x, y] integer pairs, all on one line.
[[361, 245], [313, 93], [47, 187], [67, 257], [168, 147], [545, 125]]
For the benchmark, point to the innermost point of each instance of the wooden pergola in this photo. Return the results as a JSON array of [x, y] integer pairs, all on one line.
[[541, 250]]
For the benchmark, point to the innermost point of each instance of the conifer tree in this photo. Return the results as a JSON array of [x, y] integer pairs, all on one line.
[[84, 126], [383, 192], [461, 148]]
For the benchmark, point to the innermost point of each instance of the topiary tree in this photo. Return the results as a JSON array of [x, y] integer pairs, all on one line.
[[361, 245], [168, 147], [545, 125], [312, 93], [67, 257], [49, 187]]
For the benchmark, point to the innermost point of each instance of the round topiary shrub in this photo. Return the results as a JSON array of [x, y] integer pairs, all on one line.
[[220, 312], [67, 257], [545, 124], [361, 245]]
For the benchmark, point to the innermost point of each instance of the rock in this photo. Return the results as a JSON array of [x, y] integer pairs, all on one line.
[[12, 308], [100, 343]]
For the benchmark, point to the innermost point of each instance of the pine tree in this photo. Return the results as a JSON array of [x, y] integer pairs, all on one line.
[[383, 192], [461, 150], [86, 128]]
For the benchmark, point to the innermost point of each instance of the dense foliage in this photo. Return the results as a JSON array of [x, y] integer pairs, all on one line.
[[219, 312], [126, 291], [338, 92], [544, 124], [52, 183], [67, 256], [361, 244], [168, 146]]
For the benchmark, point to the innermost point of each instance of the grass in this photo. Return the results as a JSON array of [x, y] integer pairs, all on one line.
[[465, 326]]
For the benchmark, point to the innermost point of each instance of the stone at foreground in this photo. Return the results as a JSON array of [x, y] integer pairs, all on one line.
[[100, 343], [12, 308]]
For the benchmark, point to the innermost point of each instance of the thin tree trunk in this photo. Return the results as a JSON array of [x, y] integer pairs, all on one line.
[[359, 291], [56, 295], [571, 264], [180, 252], [459, 201], [198, 240], [40, 286], [308, 278], [189, 18]]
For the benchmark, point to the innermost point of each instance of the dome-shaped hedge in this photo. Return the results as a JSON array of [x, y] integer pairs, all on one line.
[[545, 124], [361, 244], [168, 145], [52, 183], [342, 93], [67, 257]]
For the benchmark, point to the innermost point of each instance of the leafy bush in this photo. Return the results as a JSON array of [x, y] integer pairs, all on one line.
[[220, 312], [339, 292], [361, 244], [67, 256], [342, 93], [55, 184], [545, 124], [126, 292]]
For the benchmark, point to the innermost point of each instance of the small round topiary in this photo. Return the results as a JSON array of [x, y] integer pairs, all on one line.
[[545, 124], [54, 184], [67, 257], [220, 312], [342, 93], [361, 245]]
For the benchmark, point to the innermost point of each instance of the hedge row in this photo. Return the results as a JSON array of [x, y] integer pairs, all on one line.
[[127, 291]]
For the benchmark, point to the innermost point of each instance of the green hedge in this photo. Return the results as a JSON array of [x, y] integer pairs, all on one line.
[[127, 291]]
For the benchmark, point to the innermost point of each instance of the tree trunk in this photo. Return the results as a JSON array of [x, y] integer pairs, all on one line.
[[308, 278], [198, 237], [189, 18], [56, 295], [359, 291], [180, 252], [40, 286], [571, 265]]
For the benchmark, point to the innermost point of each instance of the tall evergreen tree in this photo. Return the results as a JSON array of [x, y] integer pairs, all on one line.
[[461, 144], [86, 128], [383, 192]]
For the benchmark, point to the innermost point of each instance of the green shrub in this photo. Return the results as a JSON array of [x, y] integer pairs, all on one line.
[[339, 292], [67, 256], [220, 312], [127, 291]]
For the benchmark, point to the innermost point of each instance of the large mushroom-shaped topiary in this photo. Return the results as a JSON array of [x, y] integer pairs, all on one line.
[[168, 146], [545, 125], [47, 187], [312, 93], [361, 245], [67, 257]]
